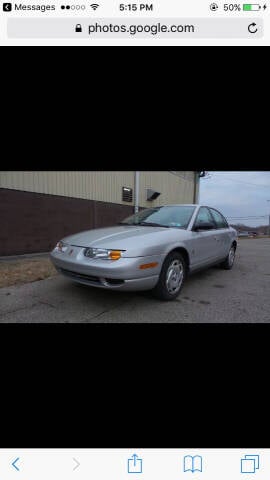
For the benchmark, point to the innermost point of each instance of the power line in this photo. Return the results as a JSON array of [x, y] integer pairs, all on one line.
[[247, 219], [243, 172], [221, 174], [246, 183]]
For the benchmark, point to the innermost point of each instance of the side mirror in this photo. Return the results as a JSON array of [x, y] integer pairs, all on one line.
[[203, 226]]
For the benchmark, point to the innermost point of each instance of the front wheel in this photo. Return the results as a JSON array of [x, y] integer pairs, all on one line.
[[228, 263], [172, 277]]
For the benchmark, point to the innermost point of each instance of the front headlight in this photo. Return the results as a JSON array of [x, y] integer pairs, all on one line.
[[61, 247], [103, 253]]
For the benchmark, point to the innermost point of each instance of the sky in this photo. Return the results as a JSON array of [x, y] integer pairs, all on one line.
[[238, 194]]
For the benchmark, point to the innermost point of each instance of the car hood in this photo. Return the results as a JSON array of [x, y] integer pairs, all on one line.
[[135, 240]]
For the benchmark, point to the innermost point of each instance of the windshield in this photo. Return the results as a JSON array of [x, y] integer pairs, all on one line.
[[170, 216]]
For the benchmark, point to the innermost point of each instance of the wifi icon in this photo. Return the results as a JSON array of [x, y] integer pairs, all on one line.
[[94, 6]]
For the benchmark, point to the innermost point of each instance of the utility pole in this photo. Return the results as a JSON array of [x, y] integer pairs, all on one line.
[[137, 192], [196, 187]]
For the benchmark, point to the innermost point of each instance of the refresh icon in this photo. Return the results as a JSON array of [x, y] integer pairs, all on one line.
[[252, 28]]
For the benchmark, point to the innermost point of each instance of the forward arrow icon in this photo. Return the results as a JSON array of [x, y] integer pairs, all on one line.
[[77, 464]]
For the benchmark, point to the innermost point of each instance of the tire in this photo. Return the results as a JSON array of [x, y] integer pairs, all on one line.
[[171, 278], [228, 263]]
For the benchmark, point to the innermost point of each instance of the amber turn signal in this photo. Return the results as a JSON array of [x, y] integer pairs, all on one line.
[[115, 254], [148, 265]]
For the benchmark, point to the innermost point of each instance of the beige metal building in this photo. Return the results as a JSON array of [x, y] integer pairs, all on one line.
[[40, 207]]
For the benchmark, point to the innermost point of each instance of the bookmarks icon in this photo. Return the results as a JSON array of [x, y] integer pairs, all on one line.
[[193, 463]]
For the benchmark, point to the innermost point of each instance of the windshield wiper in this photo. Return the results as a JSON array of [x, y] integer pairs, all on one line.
[[144, 224], [125, 223], [152, 224]]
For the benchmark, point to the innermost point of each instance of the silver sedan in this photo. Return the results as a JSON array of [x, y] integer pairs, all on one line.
[[154, 250]]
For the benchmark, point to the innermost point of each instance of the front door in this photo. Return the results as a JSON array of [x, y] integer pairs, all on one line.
[[204, 244]]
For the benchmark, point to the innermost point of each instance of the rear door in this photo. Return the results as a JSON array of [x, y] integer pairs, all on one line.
[[204, 245], [222, 233]]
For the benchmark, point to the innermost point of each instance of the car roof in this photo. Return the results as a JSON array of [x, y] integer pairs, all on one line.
[[187, 205], [183, 205]]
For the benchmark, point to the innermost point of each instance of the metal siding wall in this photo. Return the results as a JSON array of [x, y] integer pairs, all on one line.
[[104, 186], [97, 185], [173, 188]]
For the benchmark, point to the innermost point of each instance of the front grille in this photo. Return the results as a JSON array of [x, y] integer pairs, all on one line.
[[114, 281], [91, 278], [81, 276]]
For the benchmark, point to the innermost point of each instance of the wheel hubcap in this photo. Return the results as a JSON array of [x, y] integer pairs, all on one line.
[[231, 256], [174, 276]]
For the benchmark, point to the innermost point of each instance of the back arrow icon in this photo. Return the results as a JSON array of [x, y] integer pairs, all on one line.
[[77, 464], [14, 464]]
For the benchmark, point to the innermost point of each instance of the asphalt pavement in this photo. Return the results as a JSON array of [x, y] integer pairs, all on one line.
[[214, 295]]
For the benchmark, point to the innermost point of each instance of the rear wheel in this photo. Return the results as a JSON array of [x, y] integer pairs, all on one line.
[[172, 277], [228, 263]]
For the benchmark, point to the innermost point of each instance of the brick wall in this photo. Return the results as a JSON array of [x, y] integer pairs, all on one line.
[[34, 222]]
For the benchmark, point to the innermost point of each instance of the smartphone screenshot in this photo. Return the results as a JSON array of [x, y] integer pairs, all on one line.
[[135, 463], [135, 22]]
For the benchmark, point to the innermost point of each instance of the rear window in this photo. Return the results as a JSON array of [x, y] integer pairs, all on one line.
[[219, 219]]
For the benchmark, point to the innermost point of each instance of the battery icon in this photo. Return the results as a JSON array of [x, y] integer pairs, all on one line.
[[251, 7]]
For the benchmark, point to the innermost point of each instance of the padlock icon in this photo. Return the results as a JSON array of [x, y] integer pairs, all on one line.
[[78, 28]]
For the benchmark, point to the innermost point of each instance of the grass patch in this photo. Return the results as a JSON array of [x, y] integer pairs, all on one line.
[[24, 271]]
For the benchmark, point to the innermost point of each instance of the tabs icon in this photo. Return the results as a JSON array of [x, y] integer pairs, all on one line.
[[250, 463]]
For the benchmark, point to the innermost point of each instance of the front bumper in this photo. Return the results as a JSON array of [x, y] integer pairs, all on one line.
[[123, 274]]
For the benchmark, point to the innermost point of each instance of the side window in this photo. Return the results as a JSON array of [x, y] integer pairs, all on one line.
[[204, 216], [219, 219]]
